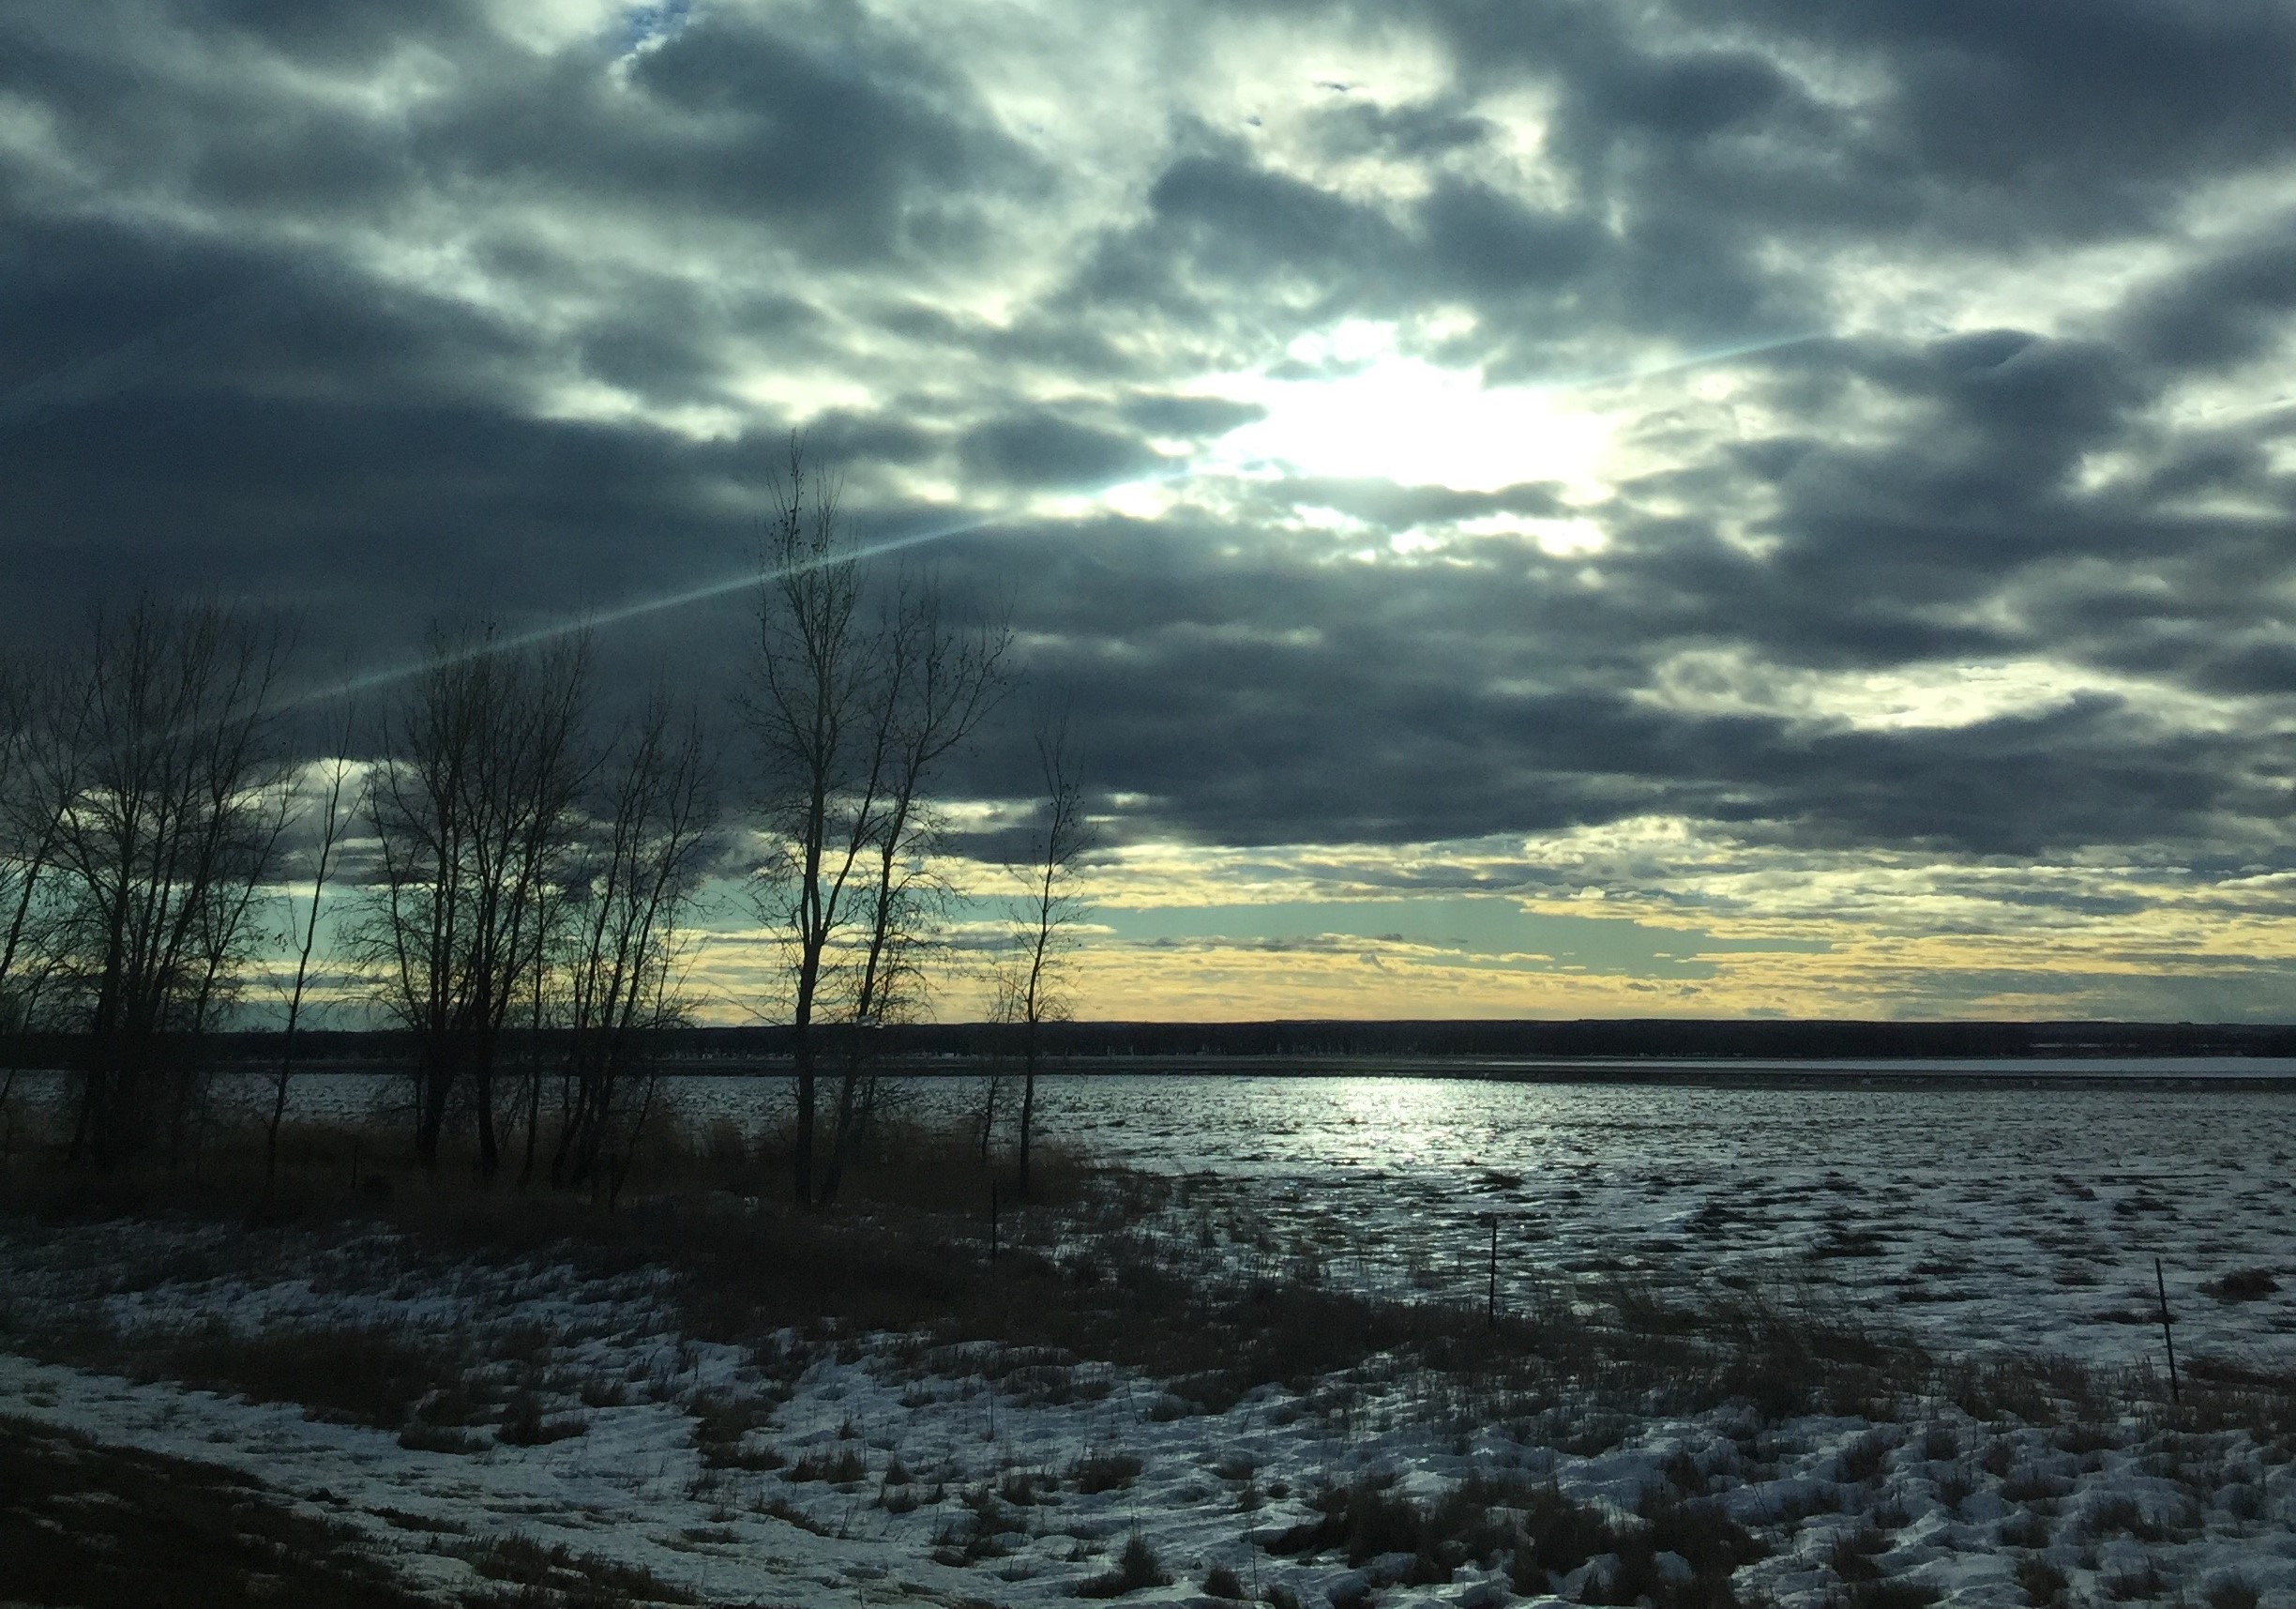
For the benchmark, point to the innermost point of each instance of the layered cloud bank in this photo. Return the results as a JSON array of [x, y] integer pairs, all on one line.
[[1551, 507]]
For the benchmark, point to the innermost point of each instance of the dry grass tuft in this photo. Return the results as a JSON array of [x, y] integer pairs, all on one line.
[[1137, 1570]]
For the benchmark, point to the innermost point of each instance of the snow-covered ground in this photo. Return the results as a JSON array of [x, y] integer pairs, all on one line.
[[2029, 1217], [879, 1471], [953, 1474]]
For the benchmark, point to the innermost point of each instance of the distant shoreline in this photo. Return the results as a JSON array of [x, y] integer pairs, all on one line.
[[2226, 1074], [1527, 1047]]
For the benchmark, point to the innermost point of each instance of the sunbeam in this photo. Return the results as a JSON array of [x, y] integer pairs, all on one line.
[[367, 681]]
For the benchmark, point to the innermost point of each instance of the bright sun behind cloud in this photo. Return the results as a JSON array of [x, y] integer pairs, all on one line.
[[1375, 412]]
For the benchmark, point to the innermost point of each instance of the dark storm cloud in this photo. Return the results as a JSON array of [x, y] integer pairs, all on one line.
[[1406, 716], [1218, 221], [2116, 94], [1550, 280], [1686, 165], [1485, 243], [1040, 448], [274, 430], [2225, 311], [401, 313], [1414, 130], [1192, 417], [845, 139], [2058, 118], [245, 408], [1399, 508], [338, 36], [850, 145]]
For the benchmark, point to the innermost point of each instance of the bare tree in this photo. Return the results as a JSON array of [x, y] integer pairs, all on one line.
[[29, 816], [332, 815], [471, 803], [30, 813], [815, 683], [939, 684], [161, 759], [851, 716], [628, 893], [1030, 991]]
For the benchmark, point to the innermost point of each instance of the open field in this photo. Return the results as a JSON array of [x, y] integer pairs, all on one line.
[[1227, 1350]]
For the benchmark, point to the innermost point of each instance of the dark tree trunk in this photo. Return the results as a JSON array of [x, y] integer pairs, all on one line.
[[842, 1137], [802, 1164], [490, 1152], [1028, 1108], [437, 1079]]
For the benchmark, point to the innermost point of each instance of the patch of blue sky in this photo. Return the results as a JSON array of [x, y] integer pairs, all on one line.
[[1467, 925], [643, 25]]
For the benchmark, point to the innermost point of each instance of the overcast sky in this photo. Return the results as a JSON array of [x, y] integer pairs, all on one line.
[[1539, 508]]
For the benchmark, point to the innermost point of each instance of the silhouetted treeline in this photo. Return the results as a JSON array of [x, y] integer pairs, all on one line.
[[915, 1043], [1518, 1038], [484, 856]]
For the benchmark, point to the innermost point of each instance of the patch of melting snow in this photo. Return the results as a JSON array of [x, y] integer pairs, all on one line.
[[986, 1460], [2028, 1220]]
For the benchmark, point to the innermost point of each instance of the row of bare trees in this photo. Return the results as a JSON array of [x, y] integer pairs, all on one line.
[[526, 873], [151, 816], [142, 799], [482, 857]]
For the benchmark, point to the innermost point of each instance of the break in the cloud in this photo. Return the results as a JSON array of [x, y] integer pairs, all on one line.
[[1820, 478]]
